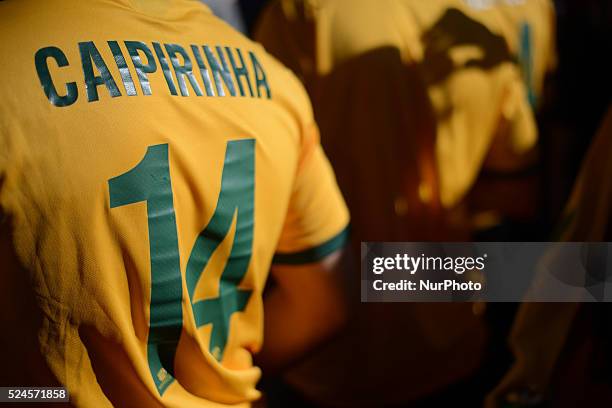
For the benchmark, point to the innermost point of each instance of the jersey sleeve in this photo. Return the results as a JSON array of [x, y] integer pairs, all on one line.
[[317, 219]]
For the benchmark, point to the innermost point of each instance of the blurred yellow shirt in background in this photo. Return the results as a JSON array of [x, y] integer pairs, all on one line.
[[410, 96], [484, 63]]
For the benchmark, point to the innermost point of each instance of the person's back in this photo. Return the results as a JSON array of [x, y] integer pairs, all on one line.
[[152, 161]]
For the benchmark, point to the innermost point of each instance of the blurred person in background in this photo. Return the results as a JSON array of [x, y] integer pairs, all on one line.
[[562, 350], [155, 166], [579, 97], [414, 99]]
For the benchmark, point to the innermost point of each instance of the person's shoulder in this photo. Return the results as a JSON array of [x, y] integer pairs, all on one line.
[[286, 89], [283, 82]]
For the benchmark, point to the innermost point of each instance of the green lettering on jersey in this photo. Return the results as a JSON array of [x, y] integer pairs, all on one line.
[[182, 70], [526, 60], [142, 70], [220, 71], [214, 68], [149, 181], [90, 53], [260, 76], [236, 201], [203, 71], [239, 70], [163, 62], [40, 60], [124, 71]]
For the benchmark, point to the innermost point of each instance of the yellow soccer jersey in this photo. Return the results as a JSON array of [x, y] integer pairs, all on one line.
[[153, 164], [484, 62]]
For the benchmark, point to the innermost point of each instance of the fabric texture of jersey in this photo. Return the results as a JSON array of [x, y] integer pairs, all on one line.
[[153, 162]]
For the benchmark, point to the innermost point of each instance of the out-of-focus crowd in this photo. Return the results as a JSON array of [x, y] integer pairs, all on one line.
[[453, 120]]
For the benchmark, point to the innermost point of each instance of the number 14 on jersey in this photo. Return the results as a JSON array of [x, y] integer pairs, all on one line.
[[149, 181]]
